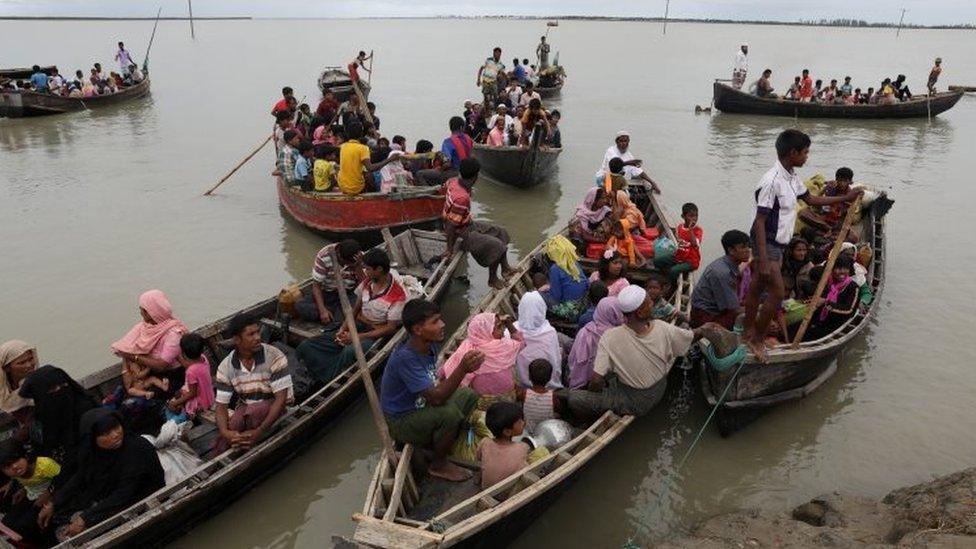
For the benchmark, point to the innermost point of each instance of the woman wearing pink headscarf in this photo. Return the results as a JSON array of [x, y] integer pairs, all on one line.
[[583, 353], [154, 342], [486, 333]]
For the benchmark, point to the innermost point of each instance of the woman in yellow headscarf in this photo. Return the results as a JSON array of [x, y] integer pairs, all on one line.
[[567, 283]]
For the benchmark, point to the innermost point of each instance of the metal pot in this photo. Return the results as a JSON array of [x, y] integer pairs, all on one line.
[[551, 434]]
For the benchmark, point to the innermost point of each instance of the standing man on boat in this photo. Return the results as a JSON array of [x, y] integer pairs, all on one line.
[[777, 196], [358, 63], [488, 76], [456, 147], [542, 52], [632, 166], [934, 75], [740, 66], [124, 59], [420, 410]]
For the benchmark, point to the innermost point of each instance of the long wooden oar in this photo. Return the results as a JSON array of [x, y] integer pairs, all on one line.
[[828, 267], [238, 166]]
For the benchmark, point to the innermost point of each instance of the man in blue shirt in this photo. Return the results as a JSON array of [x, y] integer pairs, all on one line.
[[39, 79], [519, 72], [419, 409], [455, 148]]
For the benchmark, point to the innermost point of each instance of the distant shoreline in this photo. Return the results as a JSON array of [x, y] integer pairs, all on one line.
[[840, 23]]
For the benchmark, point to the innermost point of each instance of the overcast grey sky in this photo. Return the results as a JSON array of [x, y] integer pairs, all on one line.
[[919, 11]]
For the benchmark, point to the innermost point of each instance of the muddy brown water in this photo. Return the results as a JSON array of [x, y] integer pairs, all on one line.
[[99, 206]]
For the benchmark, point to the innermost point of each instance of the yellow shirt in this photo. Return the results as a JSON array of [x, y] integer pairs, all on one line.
[[45, 469], [323, 171], [352, 154]]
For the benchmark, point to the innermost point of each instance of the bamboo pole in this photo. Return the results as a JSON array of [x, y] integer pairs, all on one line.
[[238, 166], [189, 4], [374, 400], [828, 267], [369, 74]]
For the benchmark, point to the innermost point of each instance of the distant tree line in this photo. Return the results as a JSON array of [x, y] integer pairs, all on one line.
[[805, 23]]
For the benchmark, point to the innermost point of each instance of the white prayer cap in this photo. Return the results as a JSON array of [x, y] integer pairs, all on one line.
[[631, 298], [622, 133], [502, 106], [745, 44], [848, 246]]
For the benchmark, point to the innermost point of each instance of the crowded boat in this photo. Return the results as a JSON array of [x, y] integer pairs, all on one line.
[[97, 81]]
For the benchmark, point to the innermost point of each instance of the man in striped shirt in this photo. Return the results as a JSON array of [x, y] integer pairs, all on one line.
[[323, 305], [258, 374]]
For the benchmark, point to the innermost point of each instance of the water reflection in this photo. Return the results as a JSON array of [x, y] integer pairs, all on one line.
[[527, 214]]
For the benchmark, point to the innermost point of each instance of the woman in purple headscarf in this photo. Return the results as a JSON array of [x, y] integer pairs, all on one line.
[[583, 353], [591, 222]]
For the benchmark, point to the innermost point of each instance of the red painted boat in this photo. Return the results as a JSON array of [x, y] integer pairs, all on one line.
[[337, 214]]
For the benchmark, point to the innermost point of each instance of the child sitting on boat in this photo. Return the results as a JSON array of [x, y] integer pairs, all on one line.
[[501, 456], [538, 401], [655, 286], [197, 394]]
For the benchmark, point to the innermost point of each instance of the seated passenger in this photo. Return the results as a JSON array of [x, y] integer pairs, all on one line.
[[325, 166], [59, 402], [150, 349], [583, 352], [796, 270], [500, 456], [687, 258], [354, 161], [716, 295], [379, 307], [555, 139], [323, 304], [303, 166], [197, 394], [622, 240], [418, 409], [567, 282], [540, 338], [394, 175], [591, 222], [115, 470], [594, 294], [837, 304], [17, 360], [534, 115], [612, 271], [258, 374], [496, 137], [28, 488], [764, 88], [656, 286], [498, 341], [632, 361], [827, 220], [538, 399]]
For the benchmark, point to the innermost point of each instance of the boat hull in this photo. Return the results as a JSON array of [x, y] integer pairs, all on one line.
[[335, 214], [548, 92], [338, 82], [518, 167], [730, 100], [24, 103]]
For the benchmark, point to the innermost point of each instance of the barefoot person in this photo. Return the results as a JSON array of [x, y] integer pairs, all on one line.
[[487, 243], [418, 409], [776, 198]]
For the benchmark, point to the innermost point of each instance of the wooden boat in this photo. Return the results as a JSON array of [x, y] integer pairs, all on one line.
[[21, 103], [337, 81], [23, 73], [730, 100], [791, 374], [968, 89], [433, 513], [338, 214], [172, 510], [547, 92], [518, 166]]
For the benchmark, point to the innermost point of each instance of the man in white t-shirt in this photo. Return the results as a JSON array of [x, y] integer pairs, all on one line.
[[777, 195], [529, 95]]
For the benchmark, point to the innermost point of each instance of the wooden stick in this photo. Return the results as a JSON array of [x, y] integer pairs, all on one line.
[[369, 75], [238, 166], [372, 396], [828, 267]]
